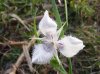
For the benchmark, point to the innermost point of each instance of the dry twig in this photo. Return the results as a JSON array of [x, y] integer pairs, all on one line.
[[20, 59], [20, 20], [28, 59]]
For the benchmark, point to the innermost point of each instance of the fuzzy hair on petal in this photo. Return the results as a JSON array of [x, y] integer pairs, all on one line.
[[70, 46], [41, 54]]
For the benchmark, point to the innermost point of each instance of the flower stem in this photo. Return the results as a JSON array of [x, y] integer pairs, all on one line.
[[66, 11], [70, 66]]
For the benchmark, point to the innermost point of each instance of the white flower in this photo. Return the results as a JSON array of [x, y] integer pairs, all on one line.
[[47, 25], [70, 46], [42, 54]]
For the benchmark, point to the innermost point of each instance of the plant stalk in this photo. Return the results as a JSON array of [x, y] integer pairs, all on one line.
[[70, 66]]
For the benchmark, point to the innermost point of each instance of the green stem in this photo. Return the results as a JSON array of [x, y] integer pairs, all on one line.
[[70, 66], [66, 11], [63, 70]]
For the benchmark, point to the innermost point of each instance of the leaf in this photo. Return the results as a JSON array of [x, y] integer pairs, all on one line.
[[56, 13], [59, 32], [57, 66]]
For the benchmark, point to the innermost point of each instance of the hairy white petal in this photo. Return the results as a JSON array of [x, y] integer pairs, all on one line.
[[42, 54], [47, 24], [70, 46]]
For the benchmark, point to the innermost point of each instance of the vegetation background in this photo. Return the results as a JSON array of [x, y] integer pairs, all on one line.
[[17, 18]]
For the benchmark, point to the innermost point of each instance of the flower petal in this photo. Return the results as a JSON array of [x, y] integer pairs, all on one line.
[[47, 24], [70, 46], [42, 54]]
